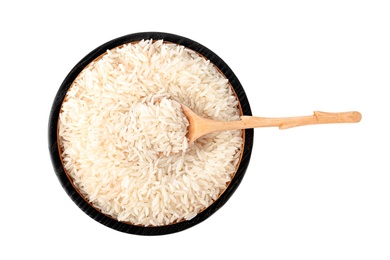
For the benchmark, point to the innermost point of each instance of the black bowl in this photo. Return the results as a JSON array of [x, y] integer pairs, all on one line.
[[105, 219]]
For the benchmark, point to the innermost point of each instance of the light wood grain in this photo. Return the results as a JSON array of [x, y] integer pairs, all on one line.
[[200, 126]]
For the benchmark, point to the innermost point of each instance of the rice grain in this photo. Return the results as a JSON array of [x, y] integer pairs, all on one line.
[[122, 133]]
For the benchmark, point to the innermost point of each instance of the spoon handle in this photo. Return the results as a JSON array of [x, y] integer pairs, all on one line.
[[283, 122], [288, 122]]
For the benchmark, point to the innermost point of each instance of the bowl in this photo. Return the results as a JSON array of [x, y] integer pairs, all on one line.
[[78, 198]]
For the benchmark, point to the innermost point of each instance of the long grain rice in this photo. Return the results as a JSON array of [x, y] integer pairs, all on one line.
[[122, 134]]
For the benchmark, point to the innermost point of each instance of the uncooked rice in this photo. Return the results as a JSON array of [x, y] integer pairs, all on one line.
[[122, 133]]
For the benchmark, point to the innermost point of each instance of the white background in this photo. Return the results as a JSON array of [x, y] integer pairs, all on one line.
[[315, 192]]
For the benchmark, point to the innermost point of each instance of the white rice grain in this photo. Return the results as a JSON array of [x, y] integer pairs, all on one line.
[[122, 133]]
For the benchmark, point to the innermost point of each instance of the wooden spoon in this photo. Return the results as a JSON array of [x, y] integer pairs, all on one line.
[[200, 126]]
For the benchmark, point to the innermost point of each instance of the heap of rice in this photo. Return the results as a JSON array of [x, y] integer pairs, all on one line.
[[122, 133], [155, 127]]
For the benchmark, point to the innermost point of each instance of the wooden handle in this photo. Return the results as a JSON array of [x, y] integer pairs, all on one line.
[[288, 122]]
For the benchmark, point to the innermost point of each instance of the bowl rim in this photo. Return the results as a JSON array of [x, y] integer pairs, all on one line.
[[124, 226]]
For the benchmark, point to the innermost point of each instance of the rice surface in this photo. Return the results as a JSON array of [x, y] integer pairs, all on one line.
[[122, 133]]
